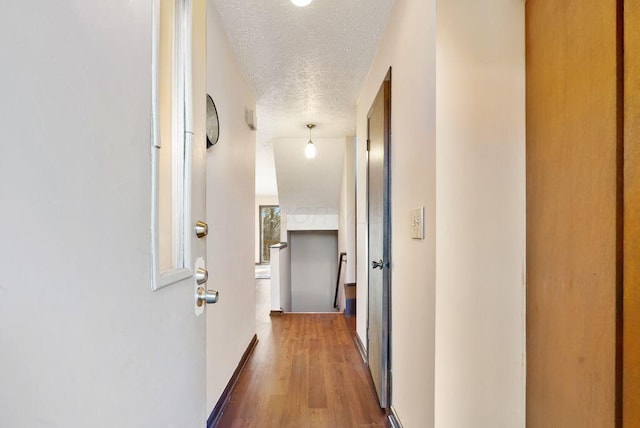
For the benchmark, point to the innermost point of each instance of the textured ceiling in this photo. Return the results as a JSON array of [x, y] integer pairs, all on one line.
[[305, 65]]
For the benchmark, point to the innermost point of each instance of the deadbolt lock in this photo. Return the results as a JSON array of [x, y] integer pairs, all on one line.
[[202, 275], [201, 229]]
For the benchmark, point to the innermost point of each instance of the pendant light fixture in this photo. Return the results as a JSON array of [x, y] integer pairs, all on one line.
[[301, 3], [310, 150]]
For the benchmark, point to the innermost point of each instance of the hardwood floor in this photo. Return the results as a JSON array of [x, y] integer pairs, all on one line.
[[305, 372]]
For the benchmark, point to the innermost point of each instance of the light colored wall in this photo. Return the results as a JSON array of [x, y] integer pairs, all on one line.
[[312, 221], [230, 214], [474, 359], [347, 226], [261, 200], [348, 210], [309, 187], [83, 339], [280, 271], [313, 270], [480, 340], [408, 45]]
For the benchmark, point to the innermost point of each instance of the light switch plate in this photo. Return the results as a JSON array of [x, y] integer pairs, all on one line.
[[417, 223]]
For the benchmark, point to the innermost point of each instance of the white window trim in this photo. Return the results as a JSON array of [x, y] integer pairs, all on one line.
[[183, 129]]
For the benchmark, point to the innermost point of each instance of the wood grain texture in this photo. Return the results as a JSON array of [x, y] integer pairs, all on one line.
[[573, 264], [631, 338], [304, 372]]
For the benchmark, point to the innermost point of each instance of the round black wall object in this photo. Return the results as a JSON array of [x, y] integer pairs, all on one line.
[[213, 125]]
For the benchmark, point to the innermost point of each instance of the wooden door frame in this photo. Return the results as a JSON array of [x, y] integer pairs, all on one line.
[[629, 304], [386, 281]]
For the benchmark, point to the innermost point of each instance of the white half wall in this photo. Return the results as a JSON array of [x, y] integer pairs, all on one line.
[[230, 214], [480, 237]]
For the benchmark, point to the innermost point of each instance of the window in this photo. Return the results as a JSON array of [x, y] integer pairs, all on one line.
[[171, 172], [269, 230]]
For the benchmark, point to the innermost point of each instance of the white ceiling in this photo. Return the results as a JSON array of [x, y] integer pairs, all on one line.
[[305, 65]]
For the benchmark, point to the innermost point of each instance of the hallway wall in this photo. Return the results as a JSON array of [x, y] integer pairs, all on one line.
[[230, 214], [480, 214], [347, 219], [408, 45], [457, 349]]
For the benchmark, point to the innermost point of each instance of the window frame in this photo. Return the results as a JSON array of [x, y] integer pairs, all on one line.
[[182, 121]]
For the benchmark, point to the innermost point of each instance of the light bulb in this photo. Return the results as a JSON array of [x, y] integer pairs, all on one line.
[[301, 3], [310, 150]]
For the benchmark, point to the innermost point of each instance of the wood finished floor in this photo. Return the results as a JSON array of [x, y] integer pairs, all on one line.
[[305, 372]]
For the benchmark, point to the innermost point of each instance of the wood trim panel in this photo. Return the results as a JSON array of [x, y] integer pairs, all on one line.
[[221, 405], [631, 303], [573, 213]]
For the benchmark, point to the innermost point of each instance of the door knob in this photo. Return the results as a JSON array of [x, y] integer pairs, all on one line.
[[206, 296], [376, 265], [201, 229], [201, 276]]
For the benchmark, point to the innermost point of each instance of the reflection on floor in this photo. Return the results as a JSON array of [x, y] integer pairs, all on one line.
[[304, 372]]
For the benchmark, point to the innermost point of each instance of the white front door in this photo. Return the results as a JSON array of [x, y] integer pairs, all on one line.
[[84, 339]]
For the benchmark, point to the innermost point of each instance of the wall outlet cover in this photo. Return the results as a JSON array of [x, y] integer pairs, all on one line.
[[417, 223]]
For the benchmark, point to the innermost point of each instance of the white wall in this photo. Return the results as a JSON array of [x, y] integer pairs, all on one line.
[[347, 235], [312, 221], [230, 214], [261, 200], [314, 267], [347, 226], [83, 339], [472, 355], [408, 45], [480, 341], [309, 187]]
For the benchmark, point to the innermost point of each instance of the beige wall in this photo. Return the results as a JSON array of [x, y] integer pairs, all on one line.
[[230, 214], [408, 45], [458, 339], [480, 121], [347, 219]]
